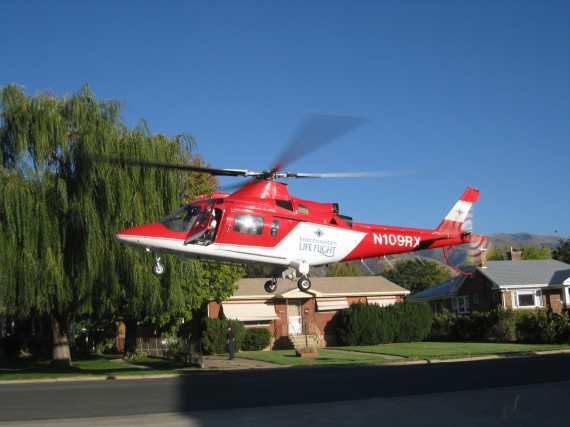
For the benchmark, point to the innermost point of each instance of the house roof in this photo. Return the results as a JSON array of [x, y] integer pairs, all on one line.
[[526, 272], [320, 287], [444, 289], [507, 274]]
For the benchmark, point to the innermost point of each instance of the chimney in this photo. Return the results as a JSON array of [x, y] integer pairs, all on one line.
[[484, 258], [515, 255]]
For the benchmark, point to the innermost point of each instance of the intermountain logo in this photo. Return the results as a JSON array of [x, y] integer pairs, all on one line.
[[323, 247]]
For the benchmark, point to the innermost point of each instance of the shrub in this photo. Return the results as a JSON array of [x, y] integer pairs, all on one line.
[[542, 326], [256, 339], [183, 351], [502, 325], [364, 324], [443, 325], [215, 332], [477, 325], [410, 321]]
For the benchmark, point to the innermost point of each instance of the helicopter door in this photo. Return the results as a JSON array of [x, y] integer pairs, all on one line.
[[199, 228]]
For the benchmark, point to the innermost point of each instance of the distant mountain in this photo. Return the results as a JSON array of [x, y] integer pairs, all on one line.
[[517, 240], [457, 255], [523, 239]]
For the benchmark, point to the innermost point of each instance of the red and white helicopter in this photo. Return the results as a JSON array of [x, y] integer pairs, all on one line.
[[262, 223]]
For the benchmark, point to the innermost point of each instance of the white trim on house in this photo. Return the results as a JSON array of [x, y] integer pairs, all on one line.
[[331, 304], [249, 312], [526, 298], [460, 304]]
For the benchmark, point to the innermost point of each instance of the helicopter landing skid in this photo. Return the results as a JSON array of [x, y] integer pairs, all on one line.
[[157, 268]]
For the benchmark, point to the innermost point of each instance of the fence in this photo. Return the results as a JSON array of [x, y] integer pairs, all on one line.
[[152, 346]]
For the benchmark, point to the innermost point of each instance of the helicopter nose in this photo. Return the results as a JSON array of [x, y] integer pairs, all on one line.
[[141, 235]]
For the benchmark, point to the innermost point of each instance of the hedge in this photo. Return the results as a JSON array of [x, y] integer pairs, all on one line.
[[370, 324], [256, 339], [503, 325]]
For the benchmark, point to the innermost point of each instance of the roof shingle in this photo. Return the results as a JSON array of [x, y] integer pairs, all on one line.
[[329, 286]]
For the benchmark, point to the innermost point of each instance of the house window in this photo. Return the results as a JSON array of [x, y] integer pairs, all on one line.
[[460, 304], [257, 323], [527, 299], [37, 326], [6, 327], [476, 299]]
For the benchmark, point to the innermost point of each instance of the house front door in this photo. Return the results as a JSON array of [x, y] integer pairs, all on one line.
[[294, 317]]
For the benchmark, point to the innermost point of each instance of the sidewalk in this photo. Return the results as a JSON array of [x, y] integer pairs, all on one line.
[[223, 363]]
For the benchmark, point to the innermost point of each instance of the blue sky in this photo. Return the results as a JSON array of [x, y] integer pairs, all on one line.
[[478, 91]]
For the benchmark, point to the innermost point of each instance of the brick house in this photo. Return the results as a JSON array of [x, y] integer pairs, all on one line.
[[30, 335], [511, 284], [297, 318]]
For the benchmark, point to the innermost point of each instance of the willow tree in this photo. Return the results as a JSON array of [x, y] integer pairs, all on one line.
[[60, 208]]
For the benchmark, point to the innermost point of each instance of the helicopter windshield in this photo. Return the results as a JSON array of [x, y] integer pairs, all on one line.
[[182, 219]]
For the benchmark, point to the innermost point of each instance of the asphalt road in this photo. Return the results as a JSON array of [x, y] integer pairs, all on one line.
[[513, 391]]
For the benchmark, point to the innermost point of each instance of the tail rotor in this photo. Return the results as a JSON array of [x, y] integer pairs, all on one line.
[[477, 250]]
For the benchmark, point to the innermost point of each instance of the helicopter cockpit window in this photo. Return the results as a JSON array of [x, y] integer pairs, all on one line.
[[248, 224], [182, 219]]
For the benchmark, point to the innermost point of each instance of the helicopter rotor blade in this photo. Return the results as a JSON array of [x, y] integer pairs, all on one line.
[[315, 132], [187, 167], [378, 174]]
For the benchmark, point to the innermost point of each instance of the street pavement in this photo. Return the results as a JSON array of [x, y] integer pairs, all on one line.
[[531, 405], [516, 404]]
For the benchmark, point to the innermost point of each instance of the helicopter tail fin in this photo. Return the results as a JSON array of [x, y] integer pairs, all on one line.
[[458, 220]]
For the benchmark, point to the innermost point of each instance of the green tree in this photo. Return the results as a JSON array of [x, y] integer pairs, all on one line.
[[562, 251], [255, 271], [60, 208], [345, 269], [527, 252], [535, 252], [417, 275], [497, 253]]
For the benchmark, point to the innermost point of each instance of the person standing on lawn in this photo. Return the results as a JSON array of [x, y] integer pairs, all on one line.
[[231, 339]]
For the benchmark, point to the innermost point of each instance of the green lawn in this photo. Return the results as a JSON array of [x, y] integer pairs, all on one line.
[[392, 353], [453, 350], [400, 352], [326, 357], [88, 367]]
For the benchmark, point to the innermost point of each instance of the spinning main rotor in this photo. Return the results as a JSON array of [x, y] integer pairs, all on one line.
[[315, 132]]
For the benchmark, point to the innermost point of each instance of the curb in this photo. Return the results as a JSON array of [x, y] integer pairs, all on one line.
[[265, 365]]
